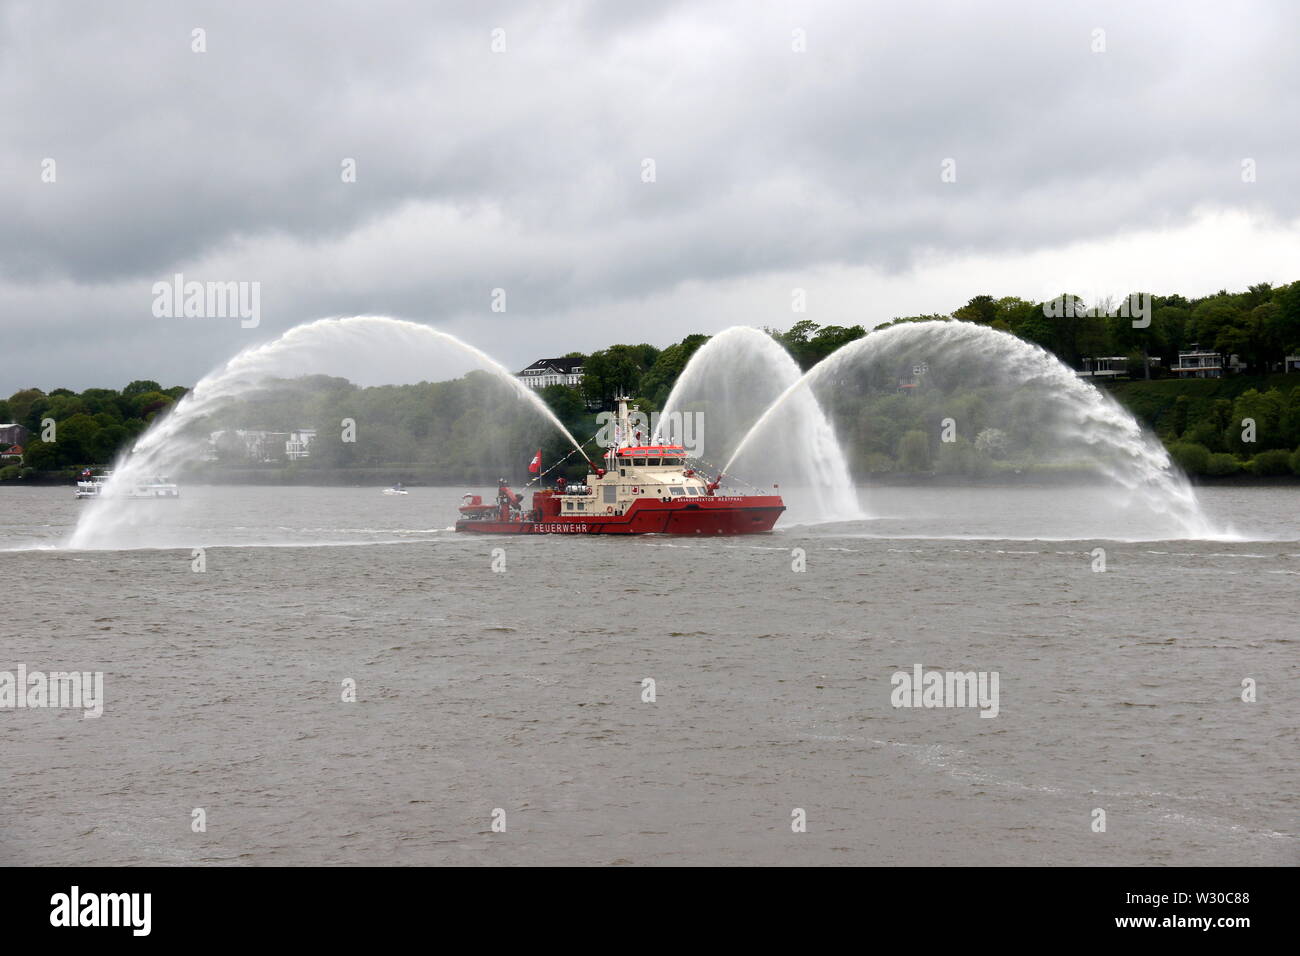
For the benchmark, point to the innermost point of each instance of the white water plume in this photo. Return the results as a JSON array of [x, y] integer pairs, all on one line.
[[357, 348], [730, 380], [1011, 382]]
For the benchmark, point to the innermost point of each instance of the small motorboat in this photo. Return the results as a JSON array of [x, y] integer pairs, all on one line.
[[95, 486], [92, 486], [397, 489], [156, 487]]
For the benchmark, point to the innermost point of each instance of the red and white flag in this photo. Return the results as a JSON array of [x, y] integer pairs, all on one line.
[[536, 466]]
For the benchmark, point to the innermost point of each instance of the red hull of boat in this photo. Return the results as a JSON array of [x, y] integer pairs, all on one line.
[[754, 514]]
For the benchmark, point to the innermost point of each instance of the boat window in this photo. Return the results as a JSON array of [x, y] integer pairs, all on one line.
[[652, 461], [638, 462], [622, 472], [677, 490]]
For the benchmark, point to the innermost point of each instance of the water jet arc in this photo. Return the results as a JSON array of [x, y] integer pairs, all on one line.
[[305, 349]]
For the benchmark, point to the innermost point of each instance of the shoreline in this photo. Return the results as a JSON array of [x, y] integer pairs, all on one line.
[[884, 479]]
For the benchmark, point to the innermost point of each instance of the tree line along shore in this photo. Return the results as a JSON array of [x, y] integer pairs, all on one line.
[[1242, 426]]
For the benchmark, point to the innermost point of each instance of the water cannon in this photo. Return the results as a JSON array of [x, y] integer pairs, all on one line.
[[507, 494], [600, 473], [713, 485]]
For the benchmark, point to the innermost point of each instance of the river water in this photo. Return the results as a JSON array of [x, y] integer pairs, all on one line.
[[521, 690]]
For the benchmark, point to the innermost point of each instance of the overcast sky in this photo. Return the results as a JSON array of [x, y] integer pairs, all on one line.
[[523, 169]]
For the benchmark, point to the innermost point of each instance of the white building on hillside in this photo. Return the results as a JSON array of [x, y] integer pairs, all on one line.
[[1199, 363], [260, 446], [1104, 366], [552, 371], [298, 444]]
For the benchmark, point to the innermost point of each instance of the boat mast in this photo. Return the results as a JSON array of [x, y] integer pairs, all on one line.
[[622, 431]]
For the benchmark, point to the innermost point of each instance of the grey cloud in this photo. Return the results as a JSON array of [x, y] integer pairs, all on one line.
[[767, 160]]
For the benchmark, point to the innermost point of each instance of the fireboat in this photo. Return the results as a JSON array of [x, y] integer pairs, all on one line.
[[643, 489]]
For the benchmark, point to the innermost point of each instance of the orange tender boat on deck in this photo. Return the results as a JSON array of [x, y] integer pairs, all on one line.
[[644, 489]]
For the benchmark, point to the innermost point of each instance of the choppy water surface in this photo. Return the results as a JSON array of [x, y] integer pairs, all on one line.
[[522, 690]]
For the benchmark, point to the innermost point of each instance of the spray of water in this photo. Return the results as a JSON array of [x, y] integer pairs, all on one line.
[[761, 413], [1077, 416], [731, 379], [325, 346]]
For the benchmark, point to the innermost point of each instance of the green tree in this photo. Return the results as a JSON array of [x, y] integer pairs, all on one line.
[[1215, 322], [1271, 463], [1012, 312], [105, 443], [140, 387], [1222, 464], [796, 339], [149, 404], [75, 440], [43, 456], [914, 451], [1289, 420], [1285, 327], [1036, 328], [617, 369], [1179, 422], [1173, 324], [658, 382], [1147, 341], [829, 338], [1191, 457], [982, 310], [1247, 337], [22, 403], [1265, 411]]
